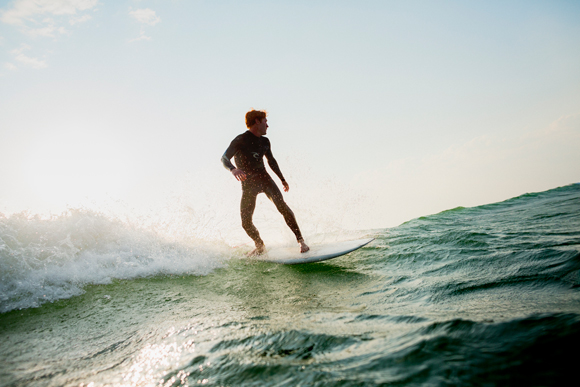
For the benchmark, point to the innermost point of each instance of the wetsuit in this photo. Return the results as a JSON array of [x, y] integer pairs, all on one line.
[[248, 151]]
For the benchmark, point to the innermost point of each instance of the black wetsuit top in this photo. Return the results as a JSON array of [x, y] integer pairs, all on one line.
[[248, 151]]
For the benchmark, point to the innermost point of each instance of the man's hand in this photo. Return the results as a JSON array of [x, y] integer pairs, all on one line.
[[239, 174], [286, 186]]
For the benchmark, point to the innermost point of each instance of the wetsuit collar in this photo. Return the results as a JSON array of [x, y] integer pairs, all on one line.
[[254, 133]]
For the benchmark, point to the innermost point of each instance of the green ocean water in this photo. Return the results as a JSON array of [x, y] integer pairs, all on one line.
[[488, 295]]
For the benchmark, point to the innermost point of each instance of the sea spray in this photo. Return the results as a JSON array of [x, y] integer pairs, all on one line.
[[49, 259]]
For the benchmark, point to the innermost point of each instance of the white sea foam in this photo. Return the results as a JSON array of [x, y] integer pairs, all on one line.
[[50, 259], [182, 231]]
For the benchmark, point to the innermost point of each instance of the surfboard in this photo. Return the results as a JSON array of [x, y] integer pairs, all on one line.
[[317, 253]]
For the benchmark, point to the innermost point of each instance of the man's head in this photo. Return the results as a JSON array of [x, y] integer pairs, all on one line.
[[257, 122], [254, 115]]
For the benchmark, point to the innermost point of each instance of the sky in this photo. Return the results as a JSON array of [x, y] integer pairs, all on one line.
[[379, 111]]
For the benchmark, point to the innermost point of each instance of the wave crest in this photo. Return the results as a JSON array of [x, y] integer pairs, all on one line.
[[49, 259]]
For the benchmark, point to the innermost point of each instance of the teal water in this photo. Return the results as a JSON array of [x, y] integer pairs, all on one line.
[[488, 295]]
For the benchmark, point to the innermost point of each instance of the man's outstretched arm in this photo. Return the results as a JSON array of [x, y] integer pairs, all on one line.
[[274, 165]]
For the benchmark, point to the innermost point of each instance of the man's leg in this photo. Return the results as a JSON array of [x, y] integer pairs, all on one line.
[[274, 194], [247, 206]]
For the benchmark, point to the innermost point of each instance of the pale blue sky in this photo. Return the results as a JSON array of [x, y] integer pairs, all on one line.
[[382, 110]]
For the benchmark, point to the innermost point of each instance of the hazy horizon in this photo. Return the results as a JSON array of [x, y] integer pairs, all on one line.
[[379, 111]]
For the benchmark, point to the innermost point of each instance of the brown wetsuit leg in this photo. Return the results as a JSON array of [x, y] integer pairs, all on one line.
[[273, 192], [247, 207], [250, 190]]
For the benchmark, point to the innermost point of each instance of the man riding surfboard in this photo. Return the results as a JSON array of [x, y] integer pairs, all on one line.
[[248, 150]]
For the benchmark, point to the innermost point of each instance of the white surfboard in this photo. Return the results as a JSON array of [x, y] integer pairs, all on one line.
[[317, 253]]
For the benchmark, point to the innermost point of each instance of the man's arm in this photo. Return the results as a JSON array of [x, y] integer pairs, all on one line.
[[227, 163], [228, 154], [274, 165]]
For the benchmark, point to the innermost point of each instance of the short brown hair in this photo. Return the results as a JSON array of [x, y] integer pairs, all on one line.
[[254, 115]]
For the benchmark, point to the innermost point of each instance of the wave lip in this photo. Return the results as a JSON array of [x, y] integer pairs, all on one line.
[[44, 260]]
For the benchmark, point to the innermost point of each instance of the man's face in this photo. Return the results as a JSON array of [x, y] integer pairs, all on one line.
[[263, 126]]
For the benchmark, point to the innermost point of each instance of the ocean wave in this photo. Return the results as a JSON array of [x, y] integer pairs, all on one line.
[[43, 260], [531, 350]]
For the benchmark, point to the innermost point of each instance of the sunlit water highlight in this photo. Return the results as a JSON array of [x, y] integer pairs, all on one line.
[[470, 296]]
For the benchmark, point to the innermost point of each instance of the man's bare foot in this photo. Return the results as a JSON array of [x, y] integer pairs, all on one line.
[[259, 250], [303, 247]]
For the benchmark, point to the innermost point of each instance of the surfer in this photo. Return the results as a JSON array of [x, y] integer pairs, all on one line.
[[248, 150]]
